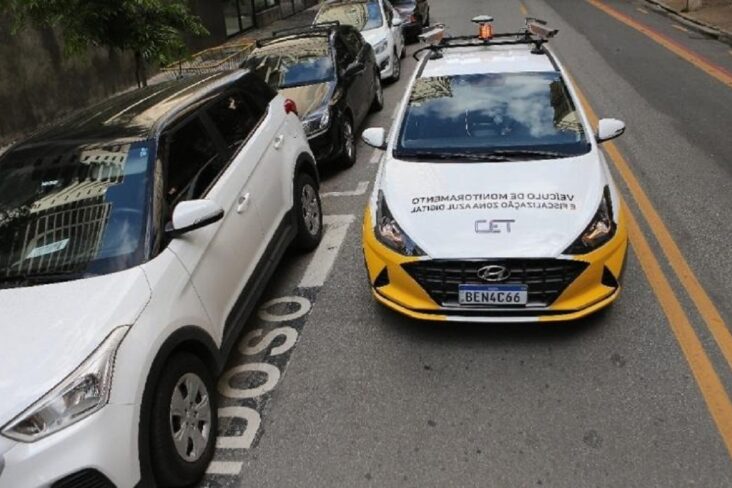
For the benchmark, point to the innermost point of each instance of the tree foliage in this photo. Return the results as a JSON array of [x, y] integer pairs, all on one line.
[[153, 30]]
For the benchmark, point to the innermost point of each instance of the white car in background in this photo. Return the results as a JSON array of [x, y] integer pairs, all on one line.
[[135, 240], [379, 23]]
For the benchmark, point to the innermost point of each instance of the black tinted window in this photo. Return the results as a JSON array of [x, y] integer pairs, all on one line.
[[343, 53], [235, 118], [193, 163], [353, 41]]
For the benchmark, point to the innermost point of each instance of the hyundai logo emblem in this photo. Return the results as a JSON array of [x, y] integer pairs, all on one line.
[[494, 273]]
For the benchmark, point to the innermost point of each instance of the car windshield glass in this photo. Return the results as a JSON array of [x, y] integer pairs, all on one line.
[[509, 115], [303, 61], [361, 15], [72, 210]]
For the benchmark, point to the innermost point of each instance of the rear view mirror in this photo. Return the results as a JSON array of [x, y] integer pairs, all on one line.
[[608, 129], [193, 214], [375, 137]]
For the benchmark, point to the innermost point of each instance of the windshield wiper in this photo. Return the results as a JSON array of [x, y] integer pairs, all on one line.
[[12, 281], [511, 153], [452, 156]]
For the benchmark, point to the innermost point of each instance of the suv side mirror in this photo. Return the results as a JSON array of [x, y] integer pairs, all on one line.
[[193, 214], [608, 129], [396, 21], [375, 137]]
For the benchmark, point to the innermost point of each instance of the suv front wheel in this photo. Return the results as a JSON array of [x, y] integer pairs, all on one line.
[[184, 421], [308, 213]]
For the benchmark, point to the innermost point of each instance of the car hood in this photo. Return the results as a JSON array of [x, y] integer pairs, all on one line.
[[465, 210], [374, 36], [48, 330], [310, 98]]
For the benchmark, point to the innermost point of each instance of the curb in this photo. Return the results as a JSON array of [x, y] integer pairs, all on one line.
[[704, 28]]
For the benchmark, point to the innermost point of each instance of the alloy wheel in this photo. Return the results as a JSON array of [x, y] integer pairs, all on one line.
[[310, 209], [190, 417]]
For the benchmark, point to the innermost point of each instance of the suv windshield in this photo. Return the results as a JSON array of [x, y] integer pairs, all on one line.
[[303, 61], [503, 115], [361, 15], [68, 211]]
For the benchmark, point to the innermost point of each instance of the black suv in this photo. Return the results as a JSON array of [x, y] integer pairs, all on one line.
[[415, 14], [331, 74]]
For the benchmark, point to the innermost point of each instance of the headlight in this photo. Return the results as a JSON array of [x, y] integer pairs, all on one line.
[[381, 46], [317, 123], [601, 229], [82, 393], [390, 234]]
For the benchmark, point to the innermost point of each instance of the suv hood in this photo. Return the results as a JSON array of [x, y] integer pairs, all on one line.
[[375, 36], [48, 330], [464, 210], [309, 98]]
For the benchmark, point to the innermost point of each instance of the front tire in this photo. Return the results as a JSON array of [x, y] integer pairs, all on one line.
[[378, 102], [396, 71], [308, 212], [348, 144], [184, 421]]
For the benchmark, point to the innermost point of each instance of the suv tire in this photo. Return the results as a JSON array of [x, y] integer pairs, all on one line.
[[348, 154], [396, 71], [308, 213], [184, 400], [378, 102]]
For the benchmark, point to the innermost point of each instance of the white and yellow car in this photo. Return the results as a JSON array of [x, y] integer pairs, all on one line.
[[494, 202]]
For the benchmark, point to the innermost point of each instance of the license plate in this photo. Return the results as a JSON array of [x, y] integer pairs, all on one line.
[[493, 294]]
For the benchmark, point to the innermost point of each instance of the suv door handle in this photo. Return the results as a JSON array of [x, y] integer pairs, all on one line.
[[243, 203], [279, 142]]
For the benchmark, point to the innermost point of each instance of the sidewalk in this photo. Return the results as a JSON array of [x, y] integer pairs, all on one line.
[[304, 17], [715, 17]]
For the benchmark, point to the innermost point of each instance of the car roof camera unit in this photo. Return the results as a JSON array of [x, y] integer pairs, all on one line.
[[535, 32]]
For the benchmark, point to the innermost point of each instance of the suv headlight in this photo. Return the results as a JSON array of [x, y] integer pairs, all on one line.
[[381, 46], [602, 228], [317, 123], [79, 395], [390, 234]]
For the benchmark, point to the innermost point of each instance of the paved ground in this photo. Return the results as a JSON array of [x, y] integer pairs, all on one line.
[[345, 393]]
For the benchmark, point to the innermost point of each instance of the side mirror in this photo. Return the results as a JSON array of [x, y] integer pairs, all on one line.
[[396, 21], [608, 129], [375, 137], [193, 214]]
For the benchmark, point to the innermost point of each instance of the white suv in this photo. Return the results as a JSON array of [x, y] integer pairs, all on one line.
[[379, 23], [134, 242]]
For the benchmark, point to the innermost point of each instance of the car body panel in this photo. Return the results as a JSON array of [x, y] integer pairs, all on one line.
[[49, 330]]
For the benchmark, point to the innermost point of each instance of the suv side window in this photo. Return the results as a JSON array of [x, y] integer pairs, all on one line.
[[192, 163], [344, 56], [236, 118], [353, 40]]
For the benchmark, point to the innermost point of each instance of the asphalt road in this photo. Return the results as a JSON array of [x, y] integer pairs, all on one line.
[[347, 393]]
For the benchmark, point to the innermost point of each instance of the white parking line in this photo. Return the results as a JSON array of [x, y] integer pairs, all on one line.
[[376, 157], [361, 189], [225, 467], [336, 229]]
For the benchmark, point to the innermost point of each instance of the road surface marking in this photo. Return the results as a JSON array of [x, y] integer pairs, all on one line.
[[678, 27], [524, 10], [229, 468], [303, 307], [642, 10], [336, 229], [715, 396], [361, 189], [376, 157], [707, 309], [709, 68]]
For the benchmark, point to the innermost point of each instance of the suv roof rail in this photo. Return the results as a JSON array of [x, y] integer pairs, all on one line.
[[534, 33], [323, 28]]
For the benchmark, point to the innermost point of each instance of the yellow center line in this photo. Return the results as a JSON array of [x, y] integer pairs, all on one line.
[[712, 70], [718, 402], [707, 309], [524, 10]]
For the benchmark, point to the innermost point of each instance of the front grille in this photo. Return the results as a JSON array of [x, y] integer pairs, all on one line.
[[88, 478], [546, 278]]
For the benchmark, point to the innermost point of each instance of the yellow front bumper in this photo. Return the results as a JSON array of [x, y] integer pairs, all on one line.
[[585, 295]]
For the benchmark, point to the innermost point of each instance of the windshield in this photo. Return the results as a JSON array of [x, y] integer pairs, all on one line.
[[361, 15], [68, 211], [305, 61], [508, 115]]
